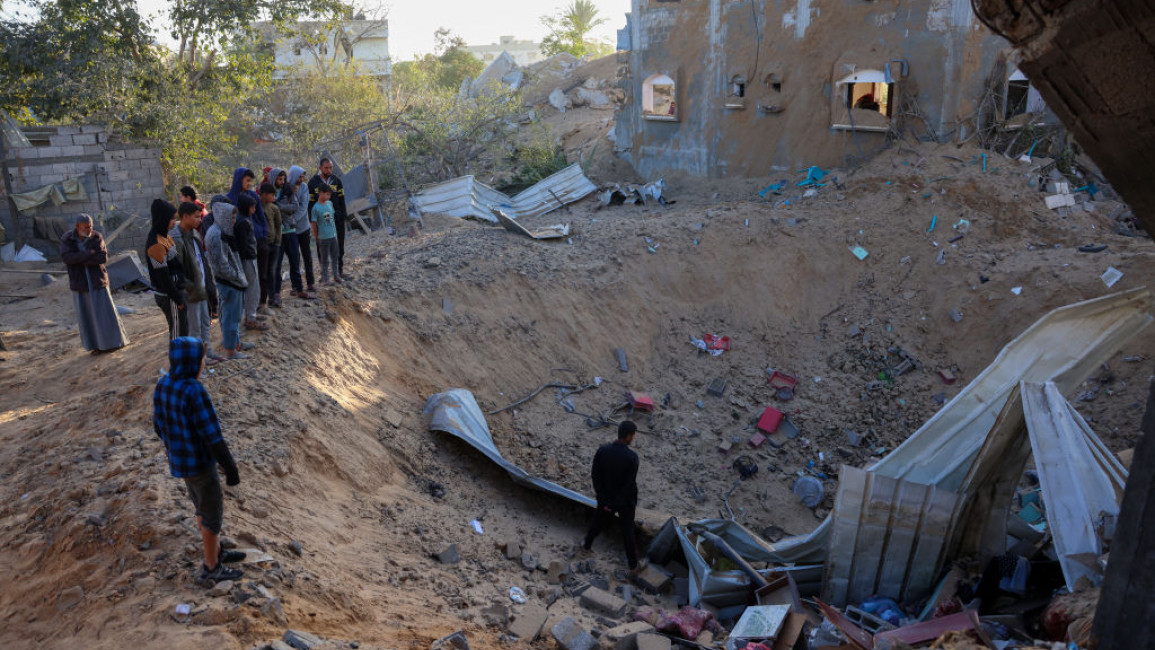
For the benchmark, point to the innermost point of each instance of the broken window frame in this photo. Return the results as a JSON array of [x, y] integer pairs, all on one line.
[[736, 89], [845, 96], [1031, 99], [647, 103]]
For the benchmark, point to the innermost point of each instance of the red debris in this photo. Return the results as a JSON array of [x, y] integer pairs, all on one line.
[[770, 419]]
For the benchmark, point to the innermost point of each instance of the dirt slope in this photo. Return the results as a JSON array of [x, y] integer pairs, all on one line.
[[325, 420]]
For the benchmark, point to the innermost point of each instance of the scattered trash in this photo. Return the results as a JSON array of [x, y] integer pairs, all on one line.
[[550, 232], [184, 609], [620, 355], [1018, 290], [809, 490], [956, 315], [716, 342], [1111, 276], [704, 347], [1092, 248], [941, 259], [517, 595], [717, 387], [640, 401], [476, 525], [859, 252], [933, 223], [29, 254], [745, 465], [629, 193], [814, 174], [774, 188], [770, 419], [124, 310]]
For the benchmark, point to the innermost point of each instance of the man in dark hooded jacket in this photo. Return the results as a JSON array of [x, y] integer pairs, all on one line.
[[164, 269], [243, 181], [186, 422]]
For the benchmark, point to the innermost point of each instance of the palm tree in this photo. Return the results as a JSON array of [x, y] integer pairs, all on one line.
[[568, 29]]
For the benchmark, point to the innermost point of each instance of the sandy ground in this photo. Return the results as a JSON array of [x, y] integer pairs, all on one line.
[[336, 461]]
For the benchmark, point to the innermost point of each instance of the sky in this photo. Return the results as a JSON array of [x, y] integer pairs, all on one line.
[[412, 22]]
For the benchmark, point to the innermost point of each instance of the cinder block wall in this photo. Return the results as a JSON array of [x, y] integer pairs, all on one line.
[[119, 179]]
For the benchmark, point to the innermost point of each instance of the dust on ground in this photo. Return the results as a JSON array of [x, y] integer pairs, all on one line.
[[350, 495]]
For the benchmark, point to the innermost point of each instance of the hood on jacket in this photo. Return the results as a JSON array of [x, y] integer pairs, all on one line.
[[223, 217], [277, 171], [295, 172], [184, 357], [162, 215], [238, 178]]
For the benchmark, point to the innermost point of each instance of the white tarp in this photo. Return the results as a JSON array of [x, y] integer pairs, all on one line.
[[468, 197], [1063, 347], [1081, 480], [456, 412]]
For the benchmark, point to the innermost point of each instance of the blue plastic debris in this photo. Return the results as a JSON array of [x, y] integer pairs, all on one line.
[[933, 223], [814, 174], [859, 252], [1089, 188], [775, 188]]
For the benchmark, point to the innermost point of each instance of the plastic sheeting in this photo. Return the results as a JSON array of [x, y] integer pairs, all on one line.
[[1063, 347], [467, 197], [456, 412]]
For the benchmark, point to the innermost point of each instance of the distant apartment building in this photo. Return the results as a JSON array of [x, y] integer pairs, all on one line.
[[313, 46], [522, 52]]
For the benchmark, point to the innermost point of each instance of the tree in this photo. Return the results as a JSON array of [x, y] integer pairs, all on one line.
[[446, 68], [569, 30]]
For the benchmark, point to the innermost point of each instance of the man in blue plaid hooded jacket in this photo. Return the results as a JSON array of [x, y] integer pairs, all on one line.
[[185, 420]]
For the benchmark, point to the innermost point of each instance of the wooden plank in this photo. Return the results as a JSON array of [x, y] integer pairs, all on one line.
[[119, 229]]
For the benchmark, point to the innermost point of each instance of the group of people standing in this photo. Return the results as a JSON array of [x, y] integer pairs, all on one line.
[[225, 260]]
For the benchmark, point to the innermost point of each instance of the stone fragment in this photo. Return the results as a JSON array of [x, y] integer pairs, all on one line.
[[653, 579], [624, 636], [496, 614], [221, 588], [301, 640], [449, 555], [603, 601], [556, 573], [571, 636], [455, 641], [274, 611], [512, 550], [526, 624], [652, 642]]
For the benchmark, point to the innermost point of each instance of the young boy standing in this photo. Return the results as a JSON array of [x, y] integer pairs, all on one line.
[[325, 231], [273, 217], [196, 275], [220, 243], [186, 422]]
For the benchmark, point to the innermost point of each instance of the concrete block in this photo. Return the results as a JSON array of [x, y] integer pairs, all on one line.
[[653, 579], [93, 149], [527, 624], [92, 128], [556, 573], [84, 138], [652, 642], [624, 636], [72, 151], [603, 601], [101, 137], [60, 140], [50, 151], [1059, 201], [68, 130], [117, 177], [301, 640], [114, 154], [512, 549], [571, 636]]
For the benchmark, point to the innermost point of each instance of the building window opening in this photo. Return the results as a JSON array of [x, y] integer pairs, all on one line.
[[659, 98], [772, 80], [736, 94], [870, 96], [1022, 97]]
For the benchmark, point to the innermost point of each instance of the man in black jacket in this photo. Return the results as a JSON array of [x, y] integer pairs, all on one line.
[[325, 176], [164, 269], [615, 473]]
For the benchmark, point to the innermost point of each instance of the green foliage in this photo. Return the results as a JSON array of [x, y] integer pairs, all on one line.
[[569, 31], [538, 158], [311, 108], [446, 68]]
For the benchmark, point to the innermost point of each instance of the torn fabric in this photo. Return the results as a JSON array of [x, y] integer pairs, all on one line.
[[26, 201], [456, 412]]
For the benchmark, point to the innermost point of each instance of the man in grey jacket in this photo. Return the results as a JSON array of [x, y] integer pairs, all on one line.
[[304, 229], [225, 260]]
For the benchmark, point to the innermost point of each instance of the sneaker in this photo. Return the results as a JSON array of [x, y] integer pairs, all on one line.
[[219, 574], [210, 361], [263, 309], [238, 356], [231, 556], [247, 345]]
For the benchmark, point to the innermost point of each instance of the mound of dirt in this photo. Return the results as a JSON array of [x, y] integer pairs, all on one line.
[[350, 496]]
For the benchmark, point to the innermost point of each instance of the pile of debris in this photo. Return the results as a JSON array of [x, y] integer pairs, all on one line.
[[948, 537]]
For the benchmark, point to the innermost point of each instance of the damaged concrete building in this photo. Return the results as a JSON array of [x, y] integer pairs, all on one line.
[[718, 88]]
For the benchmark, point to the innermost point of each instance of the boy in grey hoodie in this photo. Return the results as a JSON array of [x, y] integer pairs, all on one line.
[[304, 229], [225, 260]]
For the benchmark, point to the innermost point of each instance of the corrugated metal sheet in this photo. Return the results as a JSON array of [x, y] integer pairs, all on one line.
[[1080, 479], [456, 412], [468, 197], [1065, 347], [887, 538]]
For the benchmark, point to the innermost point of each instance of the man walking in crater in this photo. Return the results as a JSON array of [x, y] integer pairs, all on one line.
[[614, 473]]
